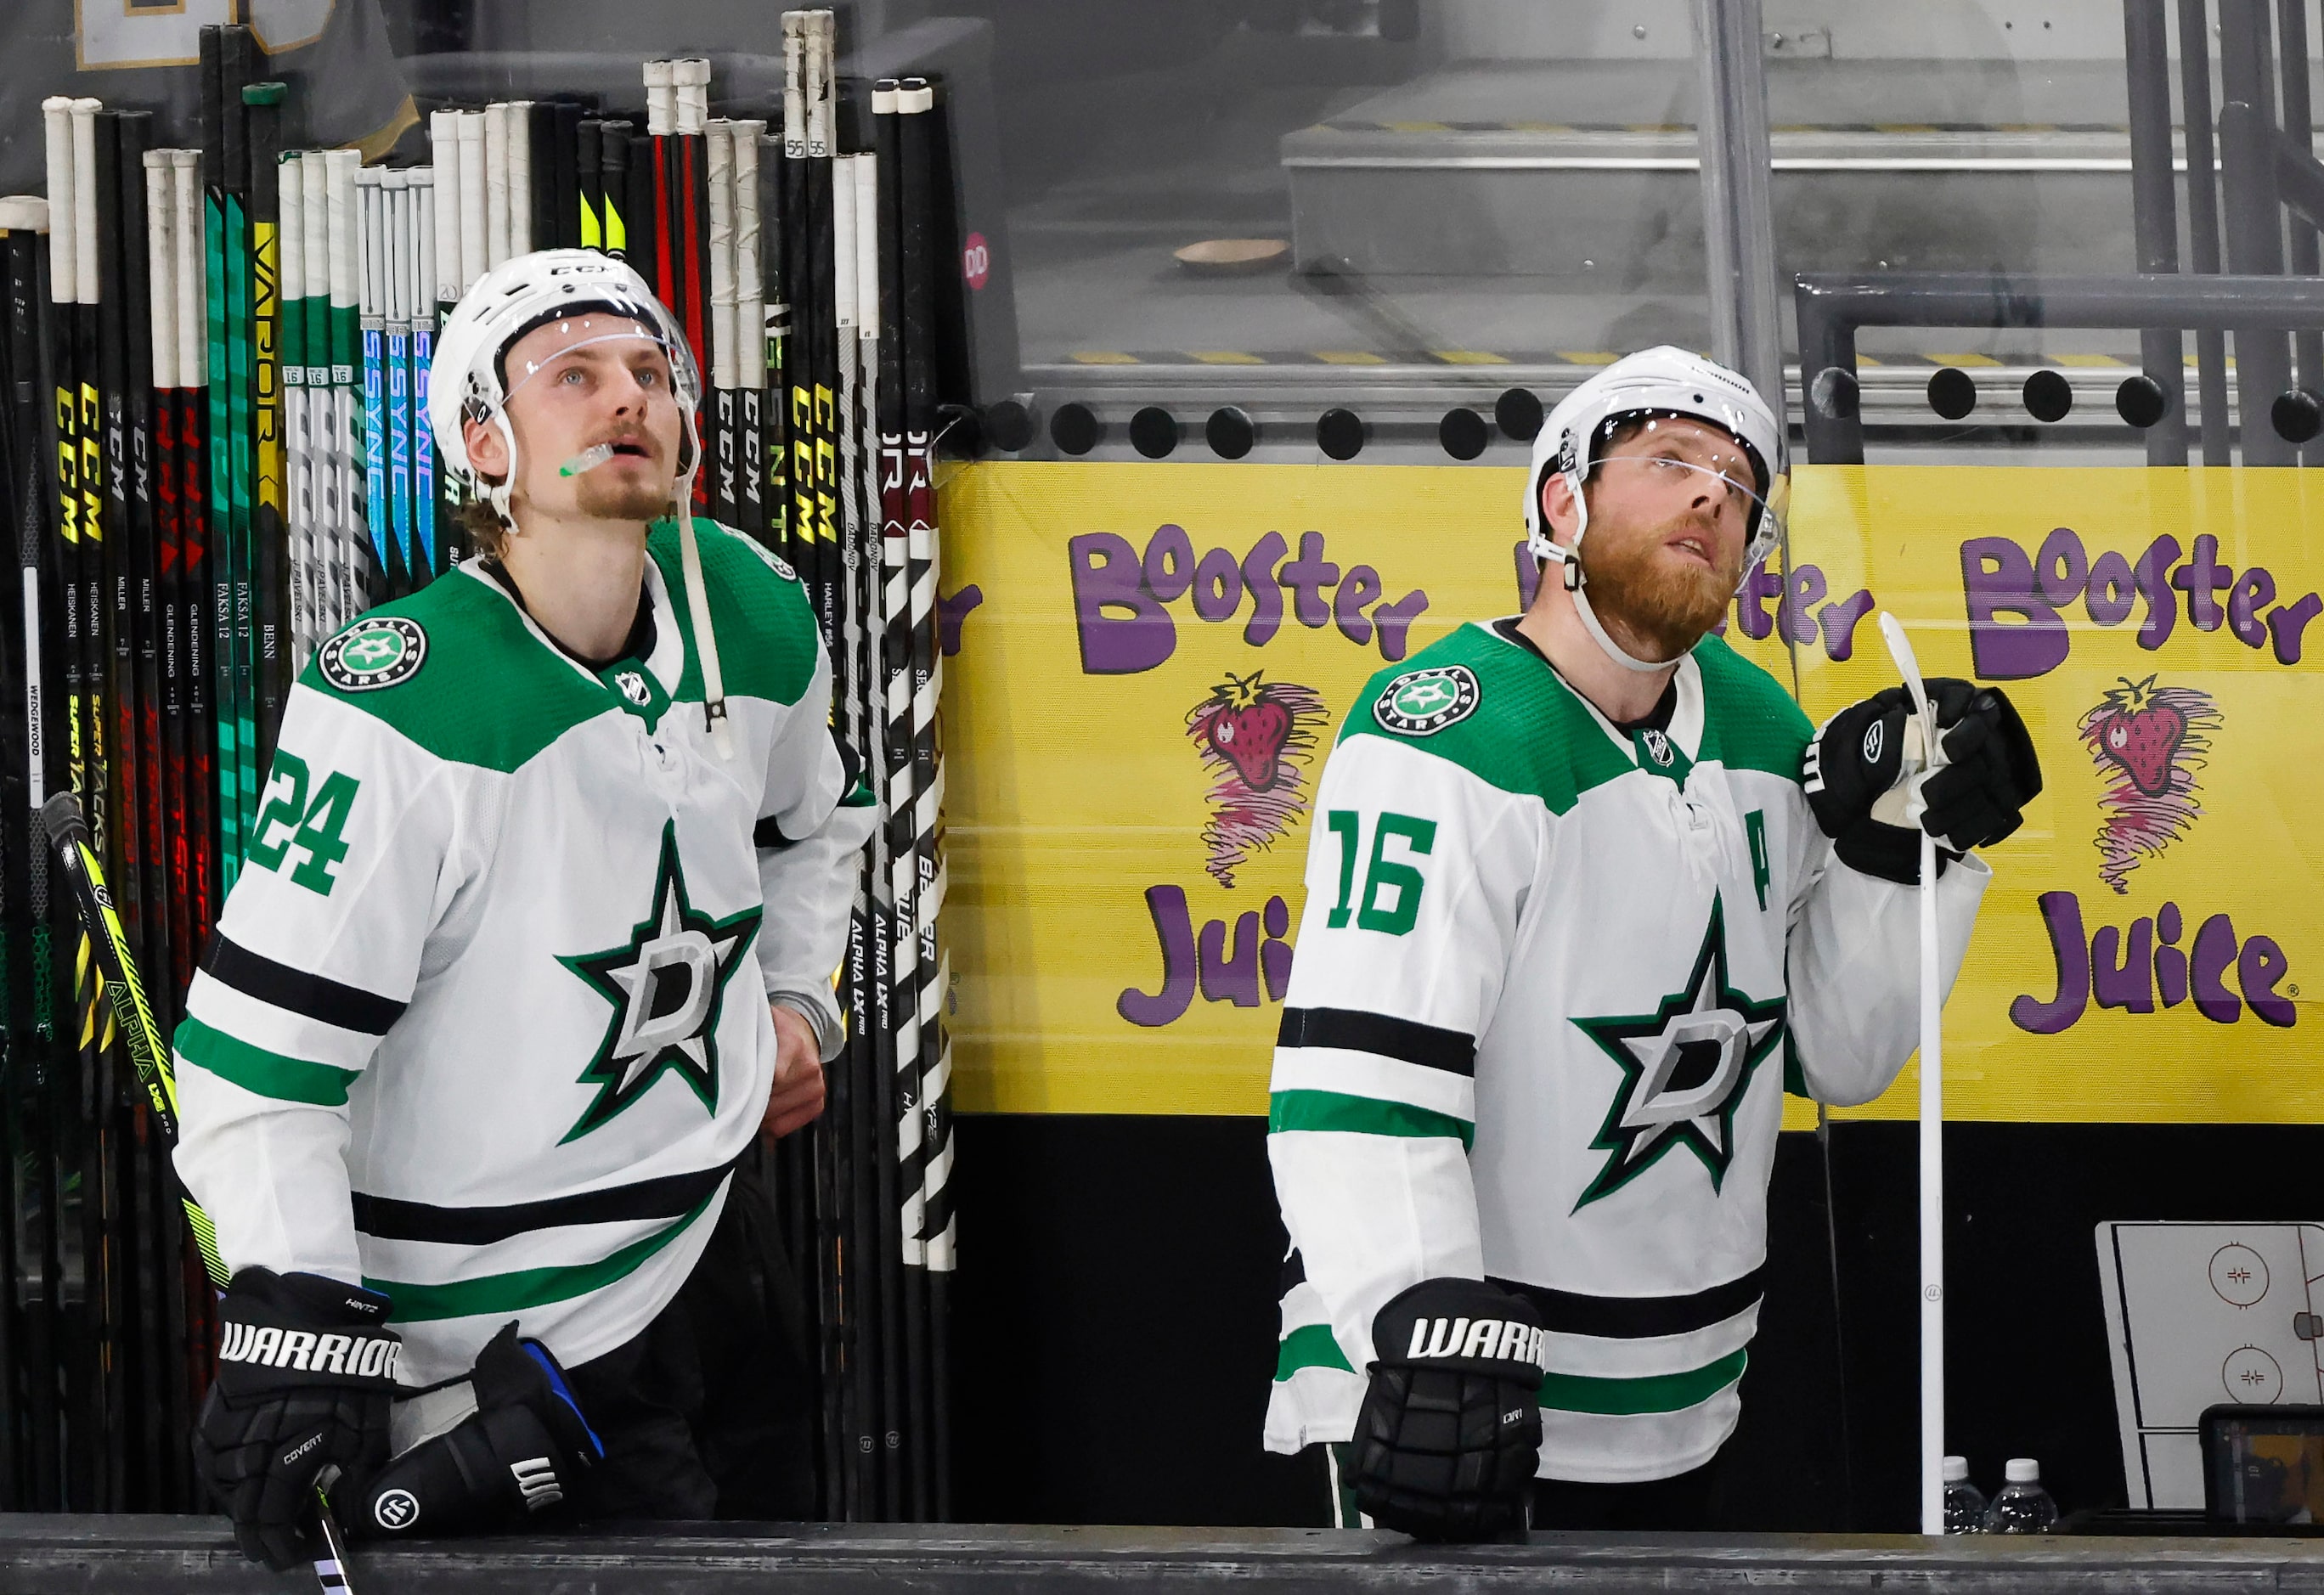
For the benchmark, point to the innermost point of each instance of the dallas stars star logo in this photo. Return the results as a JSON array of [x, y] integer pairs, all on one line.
[[666, 983], [1685, 1069]]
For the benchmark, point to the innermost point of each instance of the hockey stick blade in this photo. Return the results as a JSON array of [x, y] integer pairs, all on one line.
[[84, 876]]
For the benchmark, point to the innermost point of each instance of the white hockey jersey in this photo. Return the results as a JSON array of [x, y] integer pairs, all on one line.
[[484, 1023], [1552, 981]]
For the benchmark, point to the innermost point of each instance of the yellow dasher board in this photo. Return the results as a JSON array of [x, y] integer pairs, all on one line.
[[1151, 659]]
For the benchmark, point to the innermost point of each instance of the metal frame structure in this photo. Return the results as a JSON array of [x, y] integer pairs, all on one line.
[[1832, 306]]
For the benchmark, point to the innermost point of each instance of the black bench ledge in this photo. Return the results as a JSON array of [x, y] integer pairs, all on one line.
[[96, 1556]]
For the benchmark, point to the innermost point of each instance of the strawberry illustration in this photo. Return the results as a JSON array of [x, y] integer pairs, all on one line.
[[2140, 730], [1248, 727]]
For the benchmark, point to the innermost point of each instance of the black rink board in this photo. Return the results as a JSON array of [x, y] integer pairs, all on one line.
[[1118, 1284]]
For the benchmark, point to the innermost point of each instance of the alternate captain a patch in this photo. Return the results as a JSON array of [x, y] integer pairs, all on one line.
[[1686, 1067], [1422, 703], [667, 984], [373, 653]]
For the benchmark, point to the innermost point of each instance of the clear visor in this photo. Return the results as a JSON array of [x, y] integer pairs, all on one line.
[[589, 353], [1670, 472]]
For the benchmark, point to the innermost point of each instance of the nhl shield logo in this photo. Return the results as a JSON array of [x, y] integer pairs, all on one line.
[[374, 653], [633, 687], [1658, 747], [1422, 703]]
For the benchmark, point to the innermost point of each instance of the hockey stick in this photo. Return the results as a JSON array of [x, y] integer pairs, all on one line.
[[896, 697], [521, 137], [298, 449], [33, 258], [272, 661], [395, 268], [370, 240], [316, 547], [690, 103], [917, 211], [234, 534], [720, 438], [350, 564], [199, 626], [419, 295], [749, 332], [496, 184], [161, 287], [148, 1050], [1932, 1109], [217, 516]]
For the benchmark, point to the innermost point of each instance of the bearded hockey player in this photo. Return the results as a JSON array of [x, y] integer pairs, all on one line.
[[1576, 920], [534, 937]]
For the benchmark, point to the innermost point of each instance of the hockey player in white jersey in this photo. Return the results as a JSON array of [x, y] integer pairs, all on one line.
[[533, 940], [1585, 898]]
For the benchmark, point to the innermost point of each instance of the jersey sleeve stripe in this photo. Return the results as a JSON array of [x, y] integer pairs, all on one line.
[[257, 1070], [1667, 1392], [1311, 1345], [1290, 1110], [672, 1197], [1453, 1051], [526, 1288], [1369, 1075], [310, 996], [1567, 1312]]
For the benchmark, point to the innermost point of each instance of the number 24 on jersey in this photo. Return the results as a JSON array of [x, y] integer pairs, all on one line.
[[291, 822]]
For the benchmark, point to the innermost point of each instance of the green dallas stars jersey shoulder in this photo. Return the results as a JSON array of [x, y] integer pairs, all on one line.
[[502, 951], [1513, 725], [1552, 980], [420, 663]]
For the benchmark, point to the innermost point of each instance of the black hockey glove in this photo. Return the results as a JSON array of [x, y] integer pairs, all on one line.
[[1976, 800], [1450, 1431], [306, 1367], [518, 1454]]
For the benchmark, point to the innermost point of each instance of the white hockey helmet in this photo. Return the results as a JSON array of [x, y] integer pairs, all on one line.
[[470, 380], [1663, 380], [604, 301]]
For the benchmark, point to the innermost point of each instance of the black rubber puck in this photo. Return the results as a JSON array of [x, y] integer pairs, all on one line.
[[2297, 415], [1153, 432], [1833, 394], [1517, 413], [2048, 396], [1340, 433], [1951, 393], [2141, 401], [1230, 432], [1075, 430], [1463, 433], [1010, 425]]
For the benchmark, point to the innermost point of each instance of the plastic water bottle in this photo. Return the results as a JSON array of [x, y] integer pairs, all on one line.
[[2022, 1506], [1964, 1502]]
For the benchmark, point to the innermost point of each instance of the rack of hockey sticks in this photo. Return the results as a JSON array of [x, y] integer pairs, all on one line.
[[106, 1327]]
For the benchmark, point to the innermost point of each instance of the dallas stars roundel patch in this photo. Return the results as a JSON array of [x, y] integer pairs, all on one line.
[[1422, 703], [374, 653]]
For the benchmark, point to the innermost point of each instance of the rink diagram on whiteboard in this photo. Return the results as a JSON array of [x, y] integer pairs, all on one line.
[[2198, 1315]]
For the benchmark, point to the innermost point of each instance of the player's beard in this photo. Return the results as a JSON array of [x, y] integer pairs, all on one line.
[[1663, 602]]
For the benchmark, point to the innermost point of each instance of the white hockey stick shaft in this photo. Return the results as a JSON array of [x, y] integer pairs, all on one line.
[[1933, 1119]]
